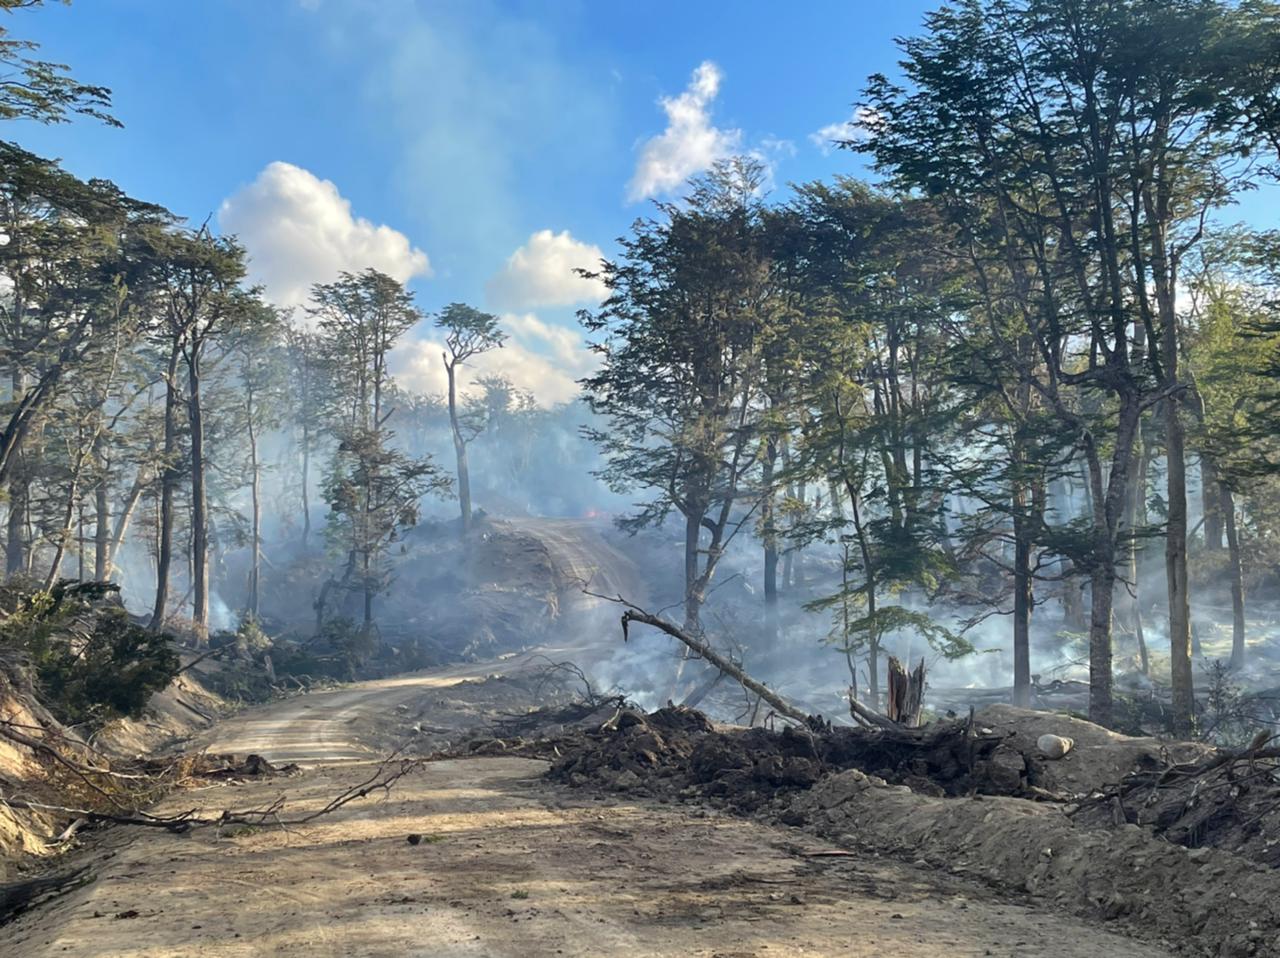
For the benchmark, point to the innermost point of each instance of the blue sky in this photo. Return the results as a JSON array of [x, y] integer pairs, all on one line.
[[441, 139]]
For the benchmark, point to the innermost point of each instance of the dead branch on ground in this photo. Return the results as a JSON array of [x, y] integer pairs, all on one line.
[[703, 650], [381, 779]]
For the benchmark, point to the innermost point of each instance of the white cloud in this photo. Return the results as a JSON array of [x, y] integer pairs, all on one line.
[[299, 230], [857, 127], [689, 144], [543, 358], [542, 272], [777, 146]]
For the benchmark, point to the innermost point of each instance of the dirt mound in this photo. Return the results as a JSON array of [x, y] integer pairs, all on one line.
[[1211, 901], [23, 833], [1098, 757], [954, 794]]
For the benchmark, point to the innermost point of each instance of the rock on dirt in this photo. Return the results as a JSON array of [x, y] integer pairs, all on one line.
[[1098, 756]]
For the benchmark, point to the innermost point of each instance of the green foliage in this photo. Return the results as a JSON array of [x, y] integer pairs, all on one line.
[[250, 636], [32, 89], [859, 632], [468, 331], [91, 661]]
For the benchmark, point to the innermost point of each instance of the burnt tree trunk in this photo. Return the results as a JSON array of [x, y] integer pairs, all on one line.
[[906, 693], [199, 498]]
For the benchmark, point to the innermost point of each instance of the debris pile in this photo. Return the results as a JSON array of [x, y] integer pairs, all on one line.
[[1229, 799], [678, 752]]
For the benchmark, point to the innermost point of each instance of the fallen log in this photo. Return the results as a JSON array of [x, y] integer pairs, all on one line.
[[382, 779], [866, 717], [775, 701]]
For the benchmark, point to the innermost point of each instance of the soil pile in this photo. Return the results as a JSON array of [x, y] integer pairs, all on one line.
[[955, 795], [1209, 900]]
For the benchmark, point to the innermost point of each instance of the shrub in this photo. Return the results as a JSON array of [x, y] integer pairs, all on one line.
[[91, 662]]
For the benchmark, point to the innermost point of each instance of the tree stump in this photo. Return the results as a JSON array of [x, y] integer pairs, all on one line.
[[906, 693]]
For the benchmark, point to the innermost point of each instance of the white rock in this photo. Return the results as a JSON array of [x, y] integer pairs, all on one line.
[[1054, 746]]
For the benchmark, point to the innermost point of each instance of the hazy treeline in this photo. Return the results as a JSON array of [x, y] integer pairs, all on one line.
[[161, 416], [987, 379], [1029, 368]]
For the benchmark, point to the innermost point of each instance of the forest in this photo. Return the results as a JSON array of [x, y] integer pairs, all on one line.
[[900, 576], [1025, 376]]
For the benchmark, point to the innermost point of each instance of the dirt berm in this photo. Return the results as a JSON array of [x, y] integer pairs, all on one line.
[[975, 799]]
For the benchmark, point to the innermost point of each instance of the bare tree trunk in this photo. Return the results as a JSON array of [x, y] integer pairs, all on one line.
[[1102, 585], [1139, 519], [199, 500], [306, 483], [1023, 524], [769, 534], [124, 518], [459, 451], [1237, 577], [101, 526], [869, 573], [255, 570], [15, 546], [68, 515], [797, 554], [168, 486], [692, 600], [368, 590], [1211, 503], [1176, 567], [1129, 544]]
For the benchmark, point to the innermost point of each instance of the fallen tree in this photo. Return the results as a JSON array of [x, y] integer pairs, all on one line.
[[906, 692], [776, 702]]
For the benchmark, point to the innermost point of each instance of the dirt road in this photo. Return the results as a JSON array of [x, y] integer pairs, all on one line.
[[507, 864], [587, 559]]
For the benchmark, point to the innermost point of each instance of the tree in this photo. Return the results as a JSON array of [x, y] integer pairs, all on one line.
[[1234, 339], [39, 90], [67, 266], [373, 489], [679, 382], [468, 333], [309, 406], [255, 350], [877, 407], [1075, 147], [193, 277]]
